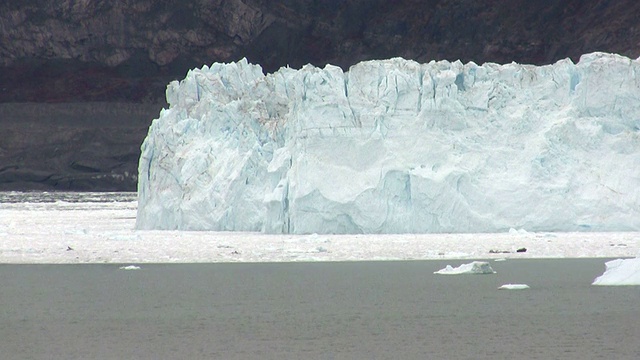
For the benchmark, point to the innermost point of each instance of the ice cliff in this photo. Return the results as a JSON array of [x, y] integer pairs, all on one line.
[[395, 146]]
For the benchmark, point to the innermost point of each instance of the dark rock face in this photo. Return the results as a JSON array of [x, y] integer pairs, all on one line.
[[70, 52], [72, 146]]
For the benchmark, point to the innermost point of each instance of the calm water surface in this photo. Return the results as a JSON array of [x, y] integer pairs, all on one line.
[[358, 310]]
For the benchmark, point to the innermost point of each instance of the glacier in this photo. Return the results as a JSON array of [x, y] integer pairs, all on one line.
[[395, 146]]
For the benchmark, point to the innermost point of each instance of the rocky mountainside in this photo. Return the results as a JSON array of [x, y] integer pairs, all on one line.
[[75, 54]]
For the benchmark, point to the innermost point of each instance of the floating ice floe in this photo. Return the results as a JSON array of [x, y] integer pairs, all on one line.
[[130, 267], [476, 267], [620, 272], [514, 287]]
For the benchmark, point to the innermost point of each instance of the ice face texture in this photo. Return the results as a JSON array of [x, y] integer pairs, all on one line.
[[394, 146]]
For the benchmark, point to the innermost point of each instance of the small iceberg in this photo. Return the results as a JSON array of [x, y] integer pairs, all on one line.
[[514, 287], [620, 272], [130, 267], [476, 267]]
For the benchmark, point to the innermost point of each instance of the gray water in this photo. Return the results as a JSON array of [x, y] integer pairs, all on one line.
[[12, 197], [358, 310]]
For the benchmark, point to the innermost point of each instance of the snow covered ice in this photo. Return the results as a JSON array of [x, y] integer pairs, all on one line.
[[394, 146], [620, 272], [475, 268]]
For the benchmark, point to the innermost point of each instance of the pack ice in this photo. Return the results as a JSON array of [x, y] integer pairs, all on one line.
[[394, 146]]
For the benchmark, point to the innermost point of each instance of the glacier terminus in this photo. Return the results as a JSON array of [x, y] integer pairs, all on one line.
[[394, 146]]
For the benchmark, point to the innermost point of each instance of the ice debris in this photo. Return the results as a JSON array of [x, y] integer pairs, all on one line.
[[620, 272], [130, 267], [476, 267], [514, 287]]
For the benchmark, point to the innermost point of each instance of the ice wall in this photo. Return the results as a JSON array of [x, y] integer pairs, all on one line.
[[395, 146]]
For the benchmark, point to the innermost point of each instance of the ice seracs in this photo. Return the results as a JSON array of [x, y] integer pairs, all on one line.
[[476, 267], [620, 272], [394, 146]]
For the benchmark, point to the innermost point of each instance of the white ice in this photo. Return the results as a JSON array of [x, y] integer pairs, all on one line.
[[394, 146], [620, 272], [130, 267], [514, 287], [105, 233], [472, 268]]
